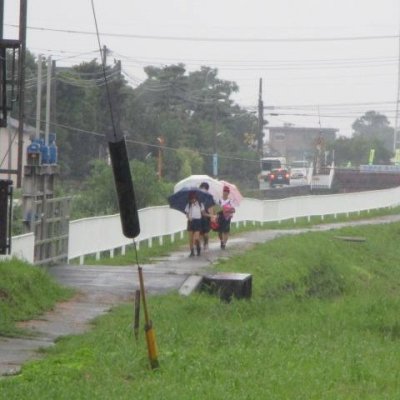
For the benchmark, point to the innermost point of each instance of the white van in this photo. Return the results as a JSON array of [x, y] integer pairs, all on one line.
[[299, 169]]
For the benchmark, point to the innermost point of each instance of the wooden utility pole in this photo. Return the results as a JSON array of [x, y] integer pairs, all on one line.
[[21, 114], [260, 133]]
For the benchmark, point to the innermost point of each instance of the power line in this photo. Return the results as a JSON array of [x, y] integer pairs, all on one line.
[[218, 39], [156, 146], [325, 105]]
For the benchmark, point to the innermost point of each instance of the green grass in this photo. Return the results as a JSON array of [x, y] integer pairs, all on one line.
[[25, 292], [323, 323]]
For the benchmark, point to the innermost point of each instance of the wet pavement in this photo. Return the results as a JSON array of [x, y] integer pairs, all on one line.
[[99, 288]]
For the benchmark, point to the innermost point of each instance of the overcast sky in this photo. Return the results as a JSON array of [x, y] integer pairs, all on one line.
[[293, 45]]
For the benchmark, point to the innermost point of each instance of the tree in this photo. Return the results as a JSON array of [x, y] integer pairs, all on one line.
[[187, 110], [98, 196], [356, 150], [374, 126]]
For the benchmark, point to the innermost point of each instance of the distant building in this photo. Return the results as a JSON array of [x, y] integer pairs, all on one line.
[[9, 147], [299, 143]]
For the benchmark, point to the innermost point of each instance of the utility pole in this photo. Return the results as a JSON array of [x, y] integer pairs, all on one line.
[[396, 121], [48, 96], [260, 135], [215, 150], [53, 100], [3, 69], [21, 115], [1, 18], [104, 60], [38, 97], [161, 142]]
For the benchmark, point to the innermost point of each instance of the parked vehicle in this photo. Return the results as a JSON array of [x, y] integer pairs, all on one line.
[[267, 164], [279, 177], [298, 169]]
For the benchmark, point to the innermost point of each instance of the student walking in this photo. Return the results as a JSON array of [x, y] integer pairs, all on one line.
[[225, 216], [194, 211], [205, 219]]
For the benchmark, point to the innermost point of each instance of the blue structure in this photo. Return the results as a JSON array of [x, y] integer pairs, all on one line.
[[44, 150], [34, 153], [38, 153]]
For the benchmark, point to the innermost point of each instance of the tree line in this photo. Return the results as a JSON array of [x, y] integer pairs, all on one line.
[[175, 116]]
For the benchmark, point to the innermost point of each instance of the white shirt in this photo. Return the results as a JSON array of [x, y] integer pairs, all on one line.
[[223, 203], [193, 210]]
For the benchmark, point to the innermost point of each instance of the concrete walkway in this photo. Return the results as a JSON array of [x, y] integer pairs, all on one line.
[[99, 288]]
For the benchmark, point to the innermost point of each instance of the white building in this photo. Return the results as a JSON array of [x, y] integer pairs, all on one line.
[[9, 147]]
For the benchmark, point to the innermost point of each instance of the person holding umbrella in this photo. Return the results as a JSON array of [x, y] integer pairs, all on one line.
[[205, 220], [194, 211], [225, 216]]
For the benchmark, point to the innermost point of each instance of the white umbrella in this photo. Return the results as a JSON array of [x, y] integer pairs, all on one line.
[[195, 181]]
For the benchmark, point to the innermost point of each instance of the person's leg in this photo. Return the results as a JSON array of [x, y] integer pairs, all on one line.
[[225, 228], [201, 237], [196, 241], [204, 232], [205, 240], [191, 243], [225, 236], [221, 238]]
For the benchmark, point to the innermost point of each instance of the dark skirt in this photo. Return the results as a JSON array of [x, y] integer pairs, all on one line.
[[194, 225], [224, 224], [205, 225]]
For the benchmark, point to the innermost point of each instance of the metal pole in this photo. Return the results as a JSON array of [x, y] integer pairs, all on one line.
[[1, 18], [396, 121], [21, 116], [260, 121], [3, 67], [215, 145], [48, 96], [38, 97]]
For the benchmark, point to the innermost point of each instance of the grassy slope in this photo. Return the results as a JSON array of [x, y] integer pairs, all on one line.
[[323, 323], [25, 292]]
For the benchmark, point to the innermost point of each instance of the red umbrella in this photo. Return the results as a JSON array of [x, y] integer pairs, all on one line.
[[234, 193]]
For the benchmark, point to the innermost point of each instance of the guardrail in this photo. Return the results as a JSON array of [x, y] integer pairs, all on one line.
[[98, 234]]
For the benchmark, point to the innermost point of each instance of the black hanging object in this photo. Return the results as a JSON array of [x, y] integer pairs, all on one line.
[[123, 183], [5, 216]]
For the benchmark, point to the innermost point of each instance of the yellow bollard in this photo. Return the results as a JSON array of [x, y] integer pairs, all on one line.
[[148, 327]]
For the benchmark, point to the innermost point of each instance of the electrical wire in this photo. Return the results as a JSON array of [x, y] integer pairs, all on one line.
[[219, 39], [138, 142], [104, 73]]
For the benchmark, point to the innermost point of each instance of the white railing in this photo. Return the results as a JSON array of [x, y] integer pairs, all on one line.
[[323, 181], [22, 247], [98, 234]]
